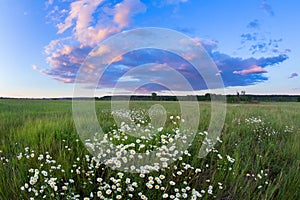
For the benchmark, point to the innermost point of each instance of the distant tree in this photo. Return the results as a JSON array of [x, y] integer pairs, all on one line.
[[237, 97], [154, 96], [207, 97], [230, 99], [298, 99], [243, 97]]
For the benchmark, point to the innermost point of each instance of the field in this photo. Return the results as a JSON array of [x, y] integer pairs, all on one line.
[[256, 157]]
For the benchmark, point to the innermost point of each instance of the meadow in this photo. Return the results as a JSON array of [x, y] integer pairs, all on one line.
[[256, 157]]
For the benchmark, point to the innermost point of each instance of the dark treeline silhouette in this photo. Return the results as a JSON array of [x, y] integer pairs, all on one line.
[[238, 98]]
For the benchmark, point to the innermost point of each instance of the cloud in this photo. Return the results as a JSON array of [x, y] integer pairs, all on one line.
[[128, 79], [65, 60], [81, 11], [267, 8], [34, 67], [124, 11], [208, 45], [174, 2], [49, 3], [80, 15], [88, 30], [91, 21], [248, 37], [253, 70], [235, 71], [260, 43], [160, 67], [88, 27], [160, 3], [253, 24], [293, 75]]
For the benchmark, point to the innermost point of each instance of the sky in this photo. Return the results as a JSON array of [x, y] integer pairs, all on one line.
[[254, 44]]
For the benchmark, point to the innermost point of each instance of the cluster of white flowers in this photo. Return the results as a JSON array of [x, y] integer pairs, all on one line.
[[263, 130], [3, 159], [288, 129], [261, 177], [171, 183], [254, 120], [170, 175], [130, 146]]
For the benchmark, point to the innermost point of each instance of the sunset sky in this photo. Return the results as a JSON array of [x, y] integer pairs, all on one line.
[[254, 43]]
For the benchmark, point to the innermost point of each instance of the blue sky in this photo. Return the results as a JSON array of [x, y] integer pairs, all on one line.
[[254, 43]]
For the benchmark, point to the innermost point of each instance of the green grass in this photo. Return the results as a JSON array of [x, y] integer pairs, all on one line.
[[270, 144]]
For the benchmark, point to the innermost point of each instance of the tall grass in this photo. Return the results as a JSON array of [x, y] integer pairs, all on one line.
[[263, 139]]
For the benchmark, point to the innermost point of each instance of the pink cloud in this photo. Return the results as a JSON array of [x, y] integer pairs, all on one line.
[[68, 80], [207, 43], [253, 70], [81, 11], [142, 90], [66, 50], [34, 67], [124, 11], [160, 67], [81, 16], [103, 49], [67, 54], [183, 67]]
